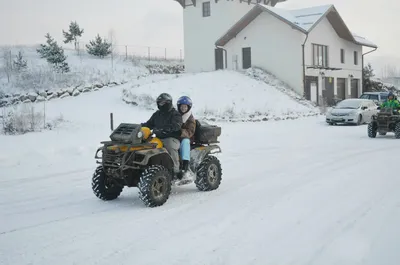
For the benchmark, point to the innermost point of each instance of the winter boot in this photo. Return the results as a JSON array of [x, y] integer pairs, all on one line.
[[185, 176]]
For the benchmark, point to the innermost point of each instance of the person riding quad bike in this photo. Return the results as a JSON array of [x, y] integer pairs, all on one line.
[[391, 102], [166, 124], [184, 105]]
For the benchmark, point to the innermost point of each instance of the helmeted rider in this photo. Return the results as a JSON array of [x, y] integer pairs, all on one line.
[[184, 106], [166, 124], [391, 102]]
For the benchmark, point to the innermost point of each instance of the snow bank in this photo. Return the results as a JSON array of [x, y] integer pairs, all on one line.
[[225, 96]]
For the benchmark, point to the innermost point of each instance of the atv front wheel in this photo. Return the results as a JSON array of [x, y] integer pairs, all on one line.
[[209, 174], [155, 185], [397, 131], [371, 130], [103, 188]]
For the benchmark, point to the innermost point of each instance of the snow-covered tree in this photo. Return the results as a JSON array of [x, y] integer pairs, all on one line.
[[73, 34], [54, 54], [99, 47], [19, 62]]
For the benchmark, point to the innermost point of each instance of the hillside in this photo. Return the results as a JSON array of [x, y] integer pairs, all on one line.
[[86, 70], [226, 95]]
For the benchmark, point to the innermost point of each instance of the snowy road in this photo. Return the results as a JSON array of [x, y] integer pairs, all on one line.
[[293, 192]]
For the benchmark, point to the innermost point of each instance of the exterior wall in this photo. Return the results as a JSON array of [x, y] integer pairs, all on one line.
[[324, 34], [201, 33], [275, 47]]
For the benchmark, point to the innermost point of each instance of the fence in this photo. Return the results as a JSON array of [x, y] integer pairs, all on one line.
[[143, 52], [121, 52]]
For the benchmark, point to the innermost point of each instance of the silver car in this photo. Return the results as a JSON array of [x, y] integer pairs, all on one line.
[[352, 110]]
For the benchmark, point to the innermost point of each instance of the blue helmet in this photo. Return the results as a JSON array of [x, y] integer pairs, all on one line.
[[390, 94], [184, 100]]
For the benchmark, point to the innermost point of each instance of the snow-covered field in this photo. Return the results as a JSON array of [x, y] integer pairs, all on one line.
[[293, 192]]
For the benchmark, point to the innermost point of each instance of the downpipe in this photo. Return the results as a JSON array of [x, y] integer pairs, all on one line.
[[304, 66]]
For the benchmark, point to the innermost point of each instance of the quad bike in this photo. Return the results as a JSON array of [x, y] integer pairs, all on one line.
[[386, 120], [134, 158]]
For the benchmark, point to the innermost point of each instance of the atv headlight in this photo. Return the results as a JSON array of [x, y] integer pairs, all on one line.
[[139, 134]]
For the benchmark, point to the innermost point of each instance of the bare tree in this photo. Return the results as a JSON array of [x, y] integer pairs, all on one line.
[[8, 65], [113, 41]]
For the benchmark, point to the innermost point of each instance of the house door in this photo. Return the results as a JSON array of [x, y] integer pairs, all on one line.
[[328, 92], [311, 89], [341, 88], [219, 59], [246, 57], [354, 88]]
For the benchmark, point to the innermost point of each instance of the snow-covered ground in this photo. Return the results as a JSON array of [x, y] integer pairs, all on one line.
[[293, 192], [85, 70], [226, 95]]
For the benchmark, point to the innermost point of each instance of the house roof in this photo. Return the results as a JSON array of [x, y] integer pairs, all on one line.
[[304, 20], [193, 2]]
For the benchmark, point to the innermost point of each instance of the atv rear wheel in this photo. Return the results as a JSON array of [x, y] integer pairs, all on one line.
[[155, 185], [103, 188], [397, 131], [209, 174], [371, 130]]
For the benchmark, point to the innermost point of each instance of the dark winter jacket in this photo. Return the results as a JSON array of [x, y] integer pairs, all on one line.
[[188, 128], [165, 124]]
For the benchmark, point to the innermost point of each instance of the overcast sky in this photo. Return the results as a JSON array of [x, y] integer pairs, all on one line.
[[159, 22]]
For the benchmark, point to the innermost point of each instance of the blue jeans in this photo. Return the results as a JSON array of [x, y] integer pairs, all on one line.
[[185, 149]]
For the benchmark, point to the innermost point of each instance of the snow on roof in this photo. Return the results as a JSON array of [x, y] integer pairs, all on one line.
[[305, 18], [364, 41]]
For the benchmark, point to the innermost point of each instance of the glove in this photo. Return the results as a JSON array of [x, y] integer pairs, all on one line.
[[157, 132]]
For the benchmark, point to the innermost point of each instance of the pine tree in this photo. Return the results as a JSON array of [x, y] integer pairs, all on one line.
[[99, 47], [368, 73], [73, 33], [19, 62], [54, 54]]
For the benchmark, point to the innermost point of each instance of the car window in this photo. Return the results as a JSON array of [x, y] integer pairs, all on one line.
[[374, 97], [365, 96], [384, 97]]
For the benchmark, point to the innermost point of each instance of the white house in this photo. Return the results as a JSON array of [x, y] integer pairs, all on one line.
[[310, 49]]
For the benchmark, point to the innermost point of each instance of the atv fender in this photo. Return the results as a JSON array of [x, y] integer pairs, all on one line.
[[198, 154], [158, 156]]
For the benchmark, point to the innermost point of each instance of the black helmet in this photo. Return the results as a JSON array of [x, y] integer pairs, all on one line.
[[164, 102]]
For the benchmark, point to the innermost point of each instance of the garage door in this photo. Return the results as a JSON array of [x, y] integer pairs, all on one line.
[[354, 88], [328, 93], [341, 88]]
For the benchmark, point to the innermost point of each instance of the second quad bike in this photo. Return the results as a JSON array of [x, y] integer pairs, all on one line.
[[134, 158], [386, 120]]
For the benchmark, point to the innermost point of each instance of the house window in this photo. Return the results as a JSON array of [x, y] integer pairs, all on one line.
[[320, 55], [355, 58], [342, 55], [206, 9]]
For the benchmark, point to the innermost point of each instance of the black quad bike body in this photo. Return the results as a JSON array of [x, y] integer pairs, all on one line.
[[130, 160], [386, 120]]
